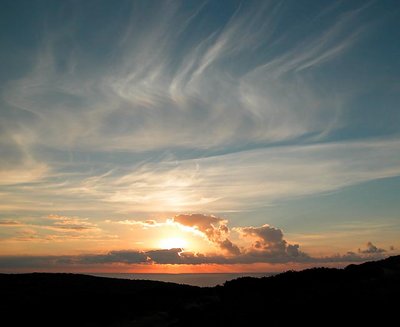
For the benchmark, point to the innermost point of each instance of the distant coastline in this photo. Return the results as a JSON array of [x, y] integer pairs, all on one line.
[[193, 279], [311, 297]]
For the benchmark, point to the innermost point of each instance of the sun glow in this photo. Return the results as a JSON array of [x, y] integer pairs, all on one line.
[[173, 243]]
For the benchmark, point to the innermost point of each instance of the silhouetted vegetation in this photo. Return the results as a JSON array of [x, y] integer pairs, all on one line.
[[359, 295]]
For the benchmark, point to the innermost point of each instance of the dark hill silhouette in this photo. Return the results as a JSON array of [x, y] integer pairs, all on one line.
[[359, 295]]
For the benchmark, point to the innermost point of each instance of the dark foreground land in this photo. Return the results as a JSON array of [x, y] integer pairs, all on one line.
[[359, 295]]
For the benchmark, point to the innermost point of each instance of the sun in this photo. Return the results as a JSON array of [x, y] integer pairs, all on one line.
[[173, 243]]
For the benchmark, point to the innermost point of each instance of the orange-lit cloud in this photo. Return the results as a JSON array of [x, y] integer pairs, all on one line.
[[51, 228], [214, 228], [254, 245], [270, 240], [9, 222], [70, 223]]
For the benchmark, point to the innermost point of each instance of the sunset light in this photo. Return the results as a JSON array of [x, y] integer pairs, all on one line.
[[196, 142], [173, 243], [254, 135]]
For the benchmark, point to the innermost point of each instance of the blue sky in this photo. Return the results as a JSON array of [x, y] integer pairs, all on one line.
[[283, 113]]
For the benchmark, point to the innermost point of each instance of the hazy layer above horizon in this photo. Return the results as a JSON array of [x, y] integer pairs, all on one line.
[[198, 136]]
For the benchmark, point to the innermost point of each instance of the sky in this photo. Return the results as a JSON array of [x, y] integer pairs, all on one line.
[[198, 136]]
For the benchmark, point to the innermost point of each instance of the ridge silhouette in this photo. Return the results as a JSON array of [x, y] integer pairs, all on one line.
[[359, 295]]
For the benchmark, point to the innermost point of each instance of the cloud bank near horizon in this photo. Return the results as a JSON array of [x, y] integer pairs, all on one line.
[[171, 257], [263, 244]]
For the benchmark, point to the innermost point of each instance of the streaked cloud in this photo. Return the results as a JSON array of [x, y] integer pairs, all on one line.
[[53, 228], [151, 95], [172, 89], [253, 179], [9, 222], [192, 107], [171, 256], [70, 223]]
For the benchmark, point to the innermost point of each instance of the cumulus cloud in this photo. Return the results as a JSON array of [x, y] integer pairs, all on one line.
[[229, 247], [253, 244], [269, 240], [214, 228], [371, 249]]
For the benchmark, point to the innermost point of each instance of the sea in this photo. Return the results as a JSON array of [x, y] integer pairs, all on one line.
[[203, 280]]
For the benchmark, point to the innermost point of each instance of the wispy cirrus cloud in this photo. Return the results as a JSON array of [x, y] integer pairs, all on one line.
[[70, 223], [52, 228], [152, 94], [10, 222], [236, 181], [17, 162], [168, 87]]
